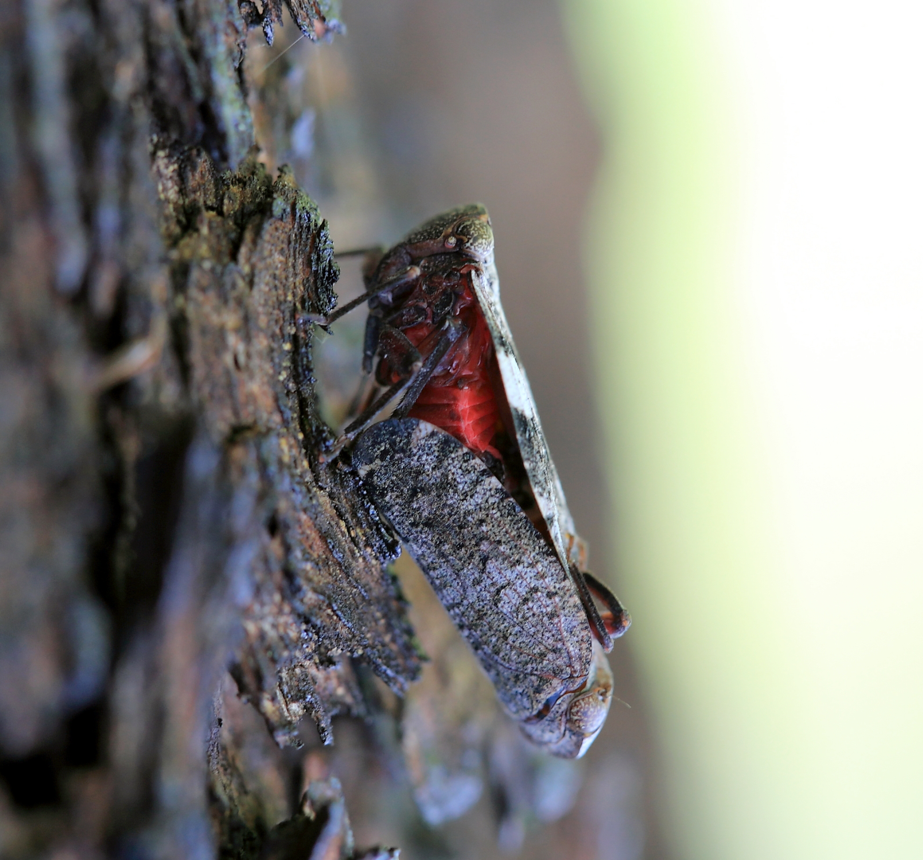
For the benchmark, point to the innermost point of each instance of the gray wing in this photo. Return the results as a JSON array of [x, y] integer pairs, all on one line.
[[500, 581]]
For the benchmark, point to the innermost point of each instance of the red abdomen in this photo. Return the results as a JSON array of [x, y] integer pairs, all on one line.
[[470, 414], [459, 397]]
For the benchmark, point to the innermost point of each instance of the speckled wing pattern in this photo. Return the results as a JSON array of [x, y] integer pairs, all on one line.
[[499, 579], [546, 485]]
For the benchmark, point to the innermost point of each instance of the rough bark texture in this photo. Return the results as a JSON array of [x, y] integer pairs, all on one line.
[[164, 514]]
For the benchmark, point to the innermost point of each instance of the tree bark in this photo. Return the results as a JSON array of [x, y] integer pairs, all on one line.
[[166, 513]]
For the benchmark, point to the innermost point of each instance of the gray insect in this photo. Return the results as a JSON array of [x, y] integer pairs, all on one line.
[[443, 345], [499, 579]]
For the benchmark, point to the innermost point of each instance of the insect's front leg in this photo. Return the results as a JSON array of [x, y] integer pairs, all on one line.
[[397, 283]]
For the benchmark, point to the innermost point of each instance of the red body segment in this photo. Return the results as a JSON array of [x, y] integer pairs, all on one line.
[[461, 395]]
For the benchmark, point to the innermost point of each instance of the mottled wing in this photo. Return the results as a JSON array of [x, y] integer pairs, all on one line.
[[500, 581], [546, 485]]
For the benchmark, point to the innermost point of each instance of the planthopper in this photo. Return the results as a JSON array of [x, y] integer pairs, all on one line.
[[463, 475]]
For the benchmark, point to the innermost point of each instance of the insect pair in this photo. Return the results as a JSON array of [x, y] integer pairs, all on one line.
[[462, 474]]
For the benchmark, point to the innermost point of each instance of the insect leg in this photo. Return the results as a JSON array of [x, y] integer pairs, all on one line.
[[363, 397], [597, 625], [417, 374], [614, 619], [379, 335], [355, 252], [371, 412], [453, 331], [614, 615], [408, 276], [370, 342], [406, 368]]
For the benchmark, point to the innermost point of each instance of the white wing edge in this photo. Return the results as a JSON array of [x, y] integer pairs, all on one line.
[[546, 485]]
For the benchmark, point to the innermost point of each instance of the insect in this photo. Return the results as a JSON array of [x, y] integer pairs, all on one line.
[[443, 346]]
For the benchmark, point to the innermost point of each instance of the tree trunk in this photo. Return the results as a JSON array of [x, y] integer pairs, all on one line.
[[165, 515]]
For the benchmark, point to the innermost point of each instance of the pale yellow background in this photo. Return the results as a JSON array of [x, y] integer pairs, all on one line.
[[756, 260]]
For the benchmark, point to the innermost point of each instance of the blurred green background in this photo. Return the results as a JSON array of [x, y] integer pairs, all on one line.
[[756, 272], [708, 229]]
